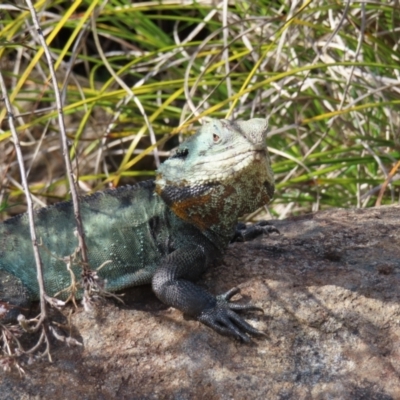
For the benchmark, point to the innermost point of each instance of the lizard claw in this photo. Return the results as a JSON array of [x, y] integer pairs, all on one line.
[[245, 232], [223, 318]]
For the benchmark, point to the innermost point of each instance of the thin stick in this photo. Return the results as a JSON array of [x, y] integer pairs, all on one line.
[[386, 183], [130, 94], [64, 141], [17, 145]]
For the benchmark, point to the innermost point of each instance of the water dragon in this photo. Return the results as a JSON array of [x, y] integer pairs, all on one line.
[[164, 232]]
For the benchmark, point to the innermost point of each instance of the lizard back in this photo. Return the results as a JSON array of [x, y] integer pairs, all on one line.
[[126, 227]]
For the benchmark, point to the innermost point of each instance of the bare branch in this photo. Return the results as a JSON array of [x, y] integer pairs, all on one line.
[[64, 139], [38, 261]]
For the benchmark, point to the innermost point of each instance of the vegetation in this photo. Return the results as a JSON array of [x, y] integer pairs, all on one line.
[[133, 75]]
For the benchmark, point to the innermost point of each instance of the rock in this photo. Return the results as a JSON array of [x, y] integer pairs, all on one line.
[[329, 286]]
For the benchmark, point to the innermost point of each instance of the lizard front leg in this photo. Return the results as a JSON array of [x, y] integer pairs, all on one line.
[[172, 284]]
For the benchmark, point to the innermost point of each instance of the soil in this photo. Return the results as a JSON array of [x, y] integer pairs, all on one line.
[[329, 288]]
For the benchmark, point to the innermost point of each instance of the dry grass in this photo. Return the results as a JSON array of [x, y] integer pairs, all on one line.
[[326, 72]]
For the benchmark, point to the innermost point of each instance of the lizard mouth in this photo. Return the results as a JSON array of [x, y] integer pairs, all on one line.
[[234, 161], [181, 169]]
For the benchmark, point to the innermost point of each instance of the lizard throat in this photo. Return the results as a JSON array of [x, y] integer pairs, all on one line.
[[216, 205]]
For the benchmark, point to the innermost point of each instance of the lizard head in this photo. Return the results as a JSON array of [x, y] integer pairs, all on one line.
[[221, 172]]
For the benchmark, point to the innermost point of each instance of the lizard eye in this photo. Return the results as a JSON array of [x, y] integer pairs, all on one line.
[[215, 138]]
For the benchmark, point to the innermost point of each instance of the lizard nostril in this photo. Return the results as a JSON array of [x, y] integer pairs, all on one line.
[[182, 154]]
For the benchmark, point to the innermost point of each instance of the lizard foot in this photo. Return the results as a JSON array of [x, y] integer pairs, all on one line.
[[245, 232], [223, 318]]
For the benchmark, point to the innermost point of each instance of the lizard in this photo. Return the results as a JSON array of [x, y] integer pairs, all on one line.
[[164, 232]]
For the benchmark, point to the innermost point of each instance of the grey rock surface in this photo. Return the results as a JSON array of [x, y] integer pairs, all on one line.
[[329, 286]]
